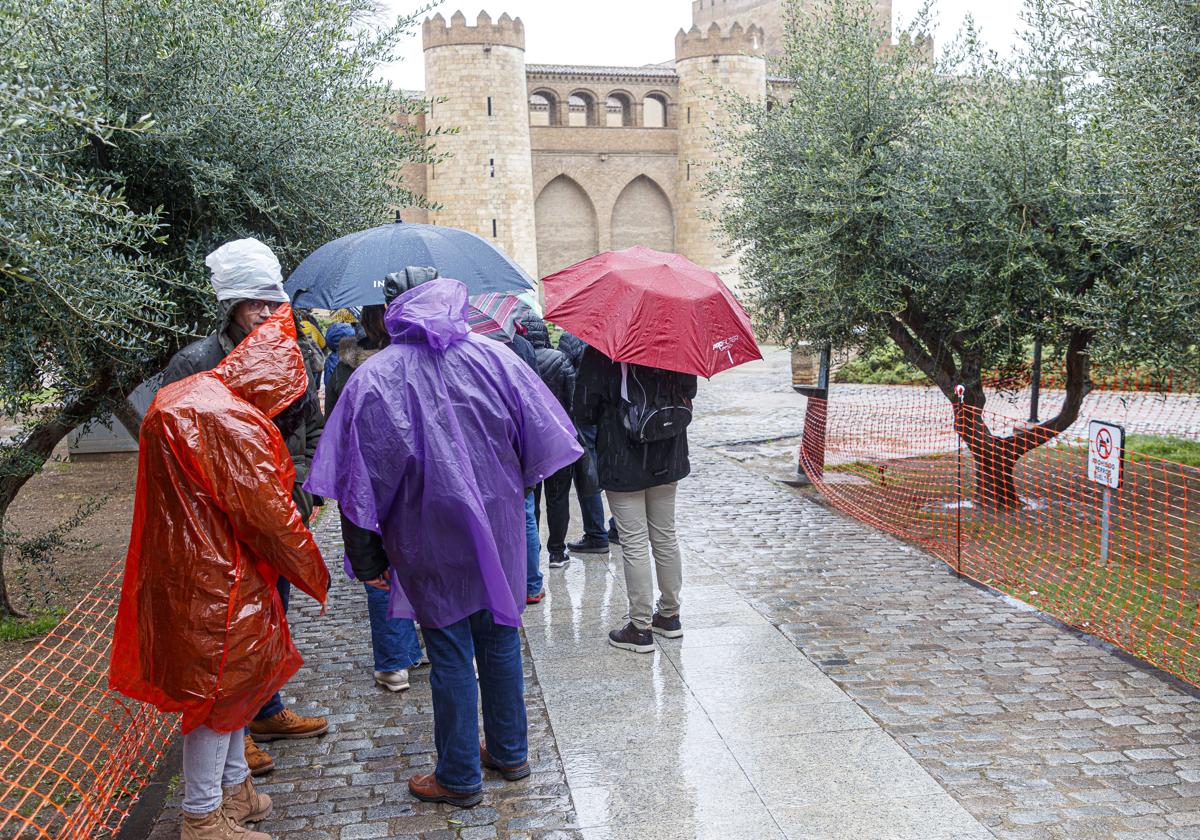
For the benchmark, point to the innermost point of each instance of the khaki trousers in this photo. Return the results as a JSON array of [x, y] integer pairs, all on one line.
[[645, 520]]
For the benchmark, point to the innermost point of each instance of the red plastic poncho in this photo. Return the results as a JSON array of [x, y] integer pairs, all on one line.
[[200, 628]]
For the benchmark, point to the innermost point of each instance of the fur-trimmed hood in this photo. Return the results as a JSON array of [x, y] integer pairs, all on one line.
[[352, 351]]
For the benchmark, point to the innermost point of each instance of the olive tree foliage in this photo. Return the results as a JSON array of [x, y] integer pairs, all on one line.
[[1143, 60], [940, 206], [137, 136]]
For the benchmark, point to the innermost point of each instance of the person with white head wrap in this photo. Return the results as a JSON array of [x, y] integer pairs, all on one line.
[[246, 269], [248, 282]]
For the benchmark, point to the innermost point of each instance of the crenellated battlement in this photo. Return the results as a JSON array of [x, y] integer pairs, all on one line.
[[505, 32], [714, 41]]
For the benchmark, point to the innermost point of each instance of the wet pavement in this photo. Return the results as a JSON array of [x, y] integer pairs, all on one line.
[[832, 683]]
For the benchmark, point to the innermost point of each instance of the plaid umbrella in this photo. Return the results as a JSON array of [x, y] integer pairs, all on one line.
[[495, 314]]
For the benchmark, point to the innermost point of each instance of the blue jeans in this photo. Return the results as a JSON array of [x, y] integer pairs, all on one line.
[[393, 640], [275, 704], [533, 550], [592, 507], [211, 760], [497, 650]]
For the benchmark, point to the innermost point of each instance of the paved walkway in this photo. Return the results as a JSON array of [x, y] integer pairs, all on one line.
[[832, 683]]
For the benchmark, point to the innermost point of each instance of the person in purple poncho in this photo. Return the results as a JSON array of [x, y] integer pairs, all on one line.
[[432, 445]]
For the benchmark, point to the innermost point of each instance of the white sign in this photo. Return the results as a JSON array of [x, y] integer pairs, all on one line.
[[1106, 444]]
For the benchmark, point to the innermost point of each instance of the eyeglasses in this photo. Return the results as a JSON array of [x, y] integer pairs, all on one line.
[[255, 306]]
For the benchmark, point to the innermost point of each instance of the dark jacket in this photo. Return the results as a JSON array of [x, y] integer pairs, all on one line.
[[552, 366], [625, 466], [521, 346], [301, 423], [352, 352], [363, 548], [572, 347]]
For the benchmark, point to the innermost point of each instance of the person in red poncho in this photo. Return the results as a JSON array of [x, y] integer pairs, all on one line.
[[201, 629]]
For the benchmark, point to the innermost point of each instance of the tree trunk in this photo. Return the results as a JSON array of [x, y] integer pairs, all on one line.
[[23, 459], [995, 461]]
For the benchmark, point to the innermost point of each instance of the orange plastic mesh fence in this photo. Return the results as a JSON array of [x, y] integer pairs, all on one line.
[[893, 459], [74, 755]]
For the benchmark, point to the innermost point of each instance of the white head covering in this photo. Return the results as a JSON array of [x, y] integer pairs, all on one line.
[[246, 269]]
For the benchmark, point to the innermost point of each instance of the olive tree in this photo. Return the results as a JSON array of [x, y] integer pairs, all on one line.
[[137, 135], [1142, 59], [940, 206]]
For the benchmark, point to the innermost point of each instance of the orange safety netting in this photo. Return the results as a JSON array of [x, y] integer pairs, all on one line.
[[73, 754], [892, 457]]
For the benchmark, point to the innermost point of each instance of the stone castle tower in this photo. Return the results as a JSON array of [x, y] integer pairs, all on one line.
[[710, 64], [557, 162], [486, 186]]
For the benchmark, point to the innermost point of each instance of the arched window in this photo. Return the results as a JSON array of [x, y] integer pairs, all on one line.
[[654, 111], [618, 111], [542, 110], [581, 109]]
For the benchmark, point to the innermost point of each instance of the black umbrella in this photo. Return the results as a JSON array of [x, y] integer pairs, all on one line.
[[350, 271]]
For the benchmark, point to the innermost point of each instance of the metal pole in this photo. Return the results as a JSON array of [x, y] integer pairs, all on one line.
[[1105, 511], [960, 391], [1035, 382]]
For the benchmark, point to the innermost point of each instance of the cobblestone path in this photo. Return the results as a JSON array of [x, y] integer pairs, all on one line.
[[350, 784], [1038, 732], [832, 683]]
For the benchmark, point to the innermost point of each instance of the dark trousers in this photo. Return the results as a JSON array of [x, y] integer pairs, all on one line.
[[275, 704], [557, 490], [497, 650], [592, 507]]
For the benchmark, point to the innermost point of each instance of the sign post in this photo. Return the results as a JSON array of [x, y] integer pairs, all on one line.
[[1105, 458]]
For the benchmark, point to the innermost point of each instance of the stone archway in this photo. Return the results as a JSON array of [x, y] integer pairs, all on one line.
[[567, 230], [643, 216]]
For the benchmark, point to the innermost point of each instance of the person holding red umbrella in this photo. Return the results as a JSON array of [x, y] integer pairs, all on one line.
[[641, 416], [653, 322]]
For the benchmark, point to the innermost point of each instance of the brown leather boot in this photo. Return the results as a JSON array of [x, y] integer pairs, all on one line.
[[287, 725], [245, 804], [512, 774], [256, 757], [428, 789], [216, 825]]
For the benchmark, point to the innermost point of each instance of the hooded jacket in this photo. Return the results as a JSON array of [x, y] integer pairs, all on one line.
[[300, 423], [431, 445], [572, 347], [201, 628], [552, 366], [352, 352]]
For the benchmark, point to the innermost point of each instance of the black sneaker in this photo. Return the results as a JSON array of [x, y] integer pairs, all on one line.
[[589, 545], [558, 559], [613, 537], [671, 627], [631, 638]]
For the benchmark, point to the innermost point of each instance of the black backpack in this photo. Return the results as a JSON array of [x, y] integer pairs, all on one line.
[[653, 405]]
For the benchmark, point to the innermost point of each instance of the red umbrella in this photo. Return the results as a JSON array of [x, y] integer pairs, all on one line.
[[659, 310]]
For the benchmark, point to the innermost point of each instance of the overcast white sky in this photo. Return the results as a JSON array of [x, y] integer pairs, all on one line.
[[601, 31]]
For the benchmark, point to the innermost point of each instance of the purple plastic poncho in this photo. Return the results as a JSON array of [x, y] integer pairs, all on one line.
[[432, 444]]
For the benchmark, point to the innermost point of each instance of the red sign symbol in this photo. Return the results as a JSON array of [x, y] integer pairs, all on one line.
[[1104, 444]]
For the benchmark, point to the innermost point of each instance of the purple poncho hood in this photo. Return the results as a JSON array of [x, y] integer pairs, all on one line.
[[432, 444]]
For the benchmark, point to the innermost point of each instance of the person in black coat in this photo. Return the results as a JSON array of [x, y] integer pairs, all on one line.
[[559, 376], [596, 536], [640, 481]]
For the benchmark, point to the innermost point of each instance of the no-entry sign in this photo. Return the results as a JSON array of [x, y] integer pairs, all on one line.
[[1106, 443]]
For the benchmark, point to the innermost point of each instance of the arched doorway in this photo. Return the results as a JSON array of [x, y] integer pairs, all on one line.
[[643, 216], [567, 231]]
